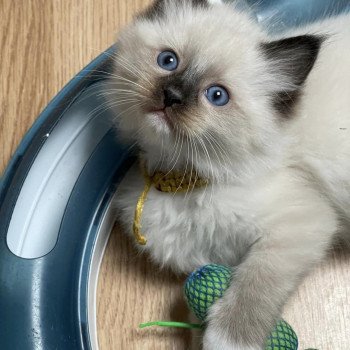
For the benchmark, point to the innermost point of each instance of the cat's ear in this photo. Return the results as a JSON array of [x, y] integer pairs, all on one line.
[[156, 9], [203, 3], [292, 59]]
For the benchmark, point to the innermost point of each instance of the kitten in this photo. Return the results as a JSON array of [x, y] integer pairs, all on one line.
[[199, 86]]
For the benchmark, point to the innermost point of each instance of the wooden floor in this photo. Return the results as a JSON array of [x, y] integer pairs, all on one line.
[[43, 43]]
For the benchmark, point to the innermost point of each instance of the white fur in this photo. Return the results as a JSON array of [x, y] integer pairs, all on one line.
[[276, 206], [215, 340]]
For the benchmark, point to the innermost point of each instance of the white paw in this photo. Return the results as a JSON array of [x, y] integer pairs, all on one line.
[[215, 340]]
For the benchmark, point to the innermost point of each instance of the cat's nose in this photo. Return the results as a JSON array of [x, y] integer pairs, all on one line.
[[172, 96]]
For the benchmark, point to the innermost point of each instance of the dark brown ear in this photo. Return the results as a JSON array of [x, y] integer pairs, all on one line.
[[156, 9], [293, 59], [203, 3]]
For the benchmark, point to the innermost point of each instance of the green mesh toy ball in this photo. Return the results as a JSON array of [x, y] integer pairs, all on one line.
[[207, 284], [282, 337]]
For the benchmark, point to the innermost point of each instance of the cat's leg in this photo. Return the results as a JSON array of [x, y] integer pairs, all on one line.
[[296, 236]]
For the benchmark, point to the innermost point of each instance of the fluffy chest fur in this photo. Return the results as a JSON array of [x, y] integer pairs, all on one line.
[[187, 231], [218, 224]]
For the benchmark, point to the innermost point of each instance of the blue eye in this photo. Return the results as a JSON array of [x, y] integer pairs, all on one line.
[[168, 60], [217, 95]]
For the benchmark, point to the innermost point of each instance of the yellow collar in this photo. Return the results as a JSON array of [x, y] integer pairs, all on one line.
[[170, 182], [176, 182]]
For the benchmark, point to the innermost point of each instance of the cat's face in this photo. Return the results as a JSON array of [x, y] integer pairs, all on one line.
[[198, 75]]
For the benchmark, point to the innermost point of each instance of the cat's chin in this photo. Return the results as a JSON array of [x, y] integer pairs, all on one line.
[[158, 121]]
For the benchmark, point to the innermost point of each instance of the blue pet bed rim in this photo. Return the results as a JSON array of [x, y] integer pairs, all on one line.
[[63, 100]]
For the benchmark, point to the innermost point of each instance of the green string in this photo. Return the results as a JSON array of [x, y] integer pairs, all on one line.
[[171, 324]]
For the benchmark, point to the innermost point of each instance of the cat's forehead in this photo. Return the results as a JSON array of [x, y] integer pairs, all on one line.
[[197, 32]]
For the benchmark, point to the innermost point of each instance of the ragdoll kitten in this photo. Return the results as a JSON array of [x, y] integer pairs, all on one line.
[[199, 86]]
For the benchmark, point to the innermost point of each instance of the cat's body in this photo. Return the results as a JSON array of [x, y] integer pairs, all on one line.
[[279, 194], [322, 130]]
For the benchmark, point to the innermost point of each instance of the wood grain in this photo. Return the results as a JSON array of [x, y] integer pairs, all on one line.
[[43, 43], [132, 291]]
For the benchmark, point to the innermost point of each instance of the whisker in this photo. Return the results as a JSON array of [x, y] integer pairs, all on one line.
[[185, 171], [134, 70], [209, 163], [160, 160], [191, 173], [177, 140], [216, 154], [178, 156], [119, 77]]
